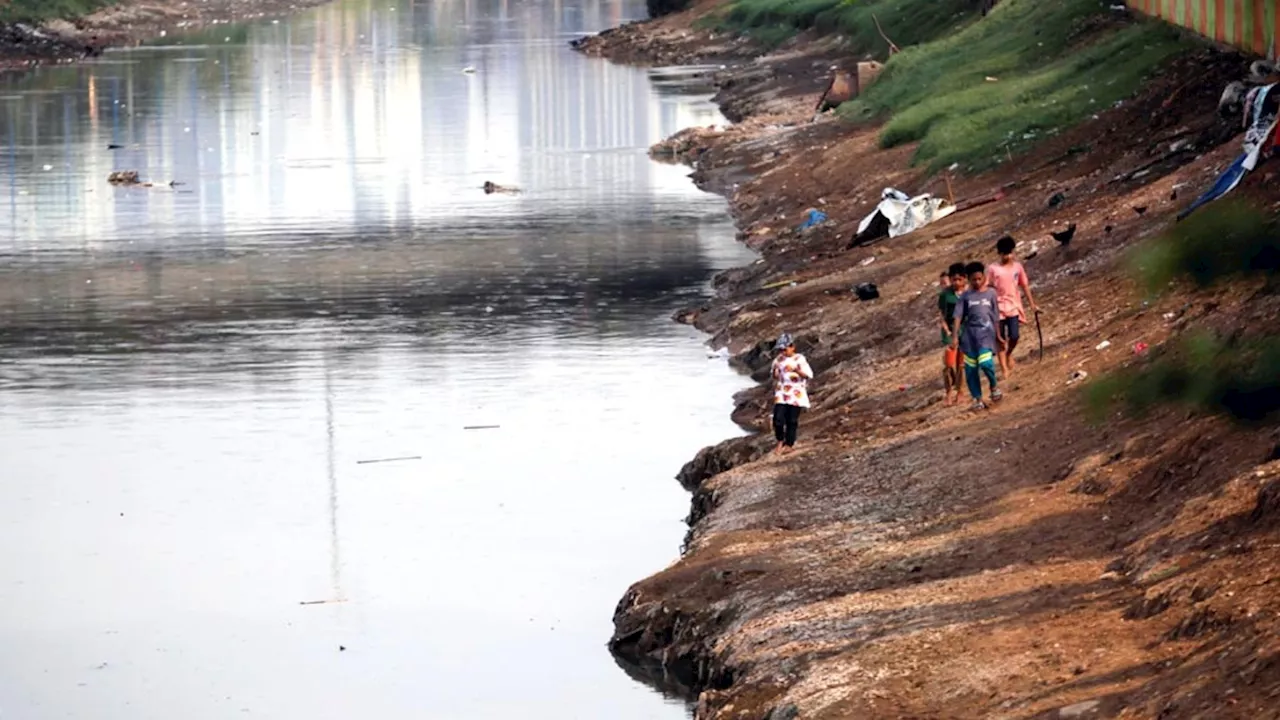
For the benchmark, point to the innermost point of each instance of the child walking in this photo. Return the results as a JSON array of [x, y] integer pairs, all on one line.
[[974, 333], [948, 296], [791, 375], [1009, 279]]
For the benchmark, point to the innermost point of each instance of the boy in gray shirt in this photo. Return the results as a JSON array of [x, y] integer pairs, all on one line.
[[976, 320]]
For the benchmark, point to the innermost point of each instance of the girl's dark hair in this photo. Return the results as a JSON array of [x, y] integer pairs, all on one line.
[[956, 269], [974, 267], [1005, 245]]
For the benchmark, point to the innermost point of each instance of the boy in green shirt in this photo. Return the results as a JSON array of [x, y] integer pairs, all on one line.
[[948, 296]]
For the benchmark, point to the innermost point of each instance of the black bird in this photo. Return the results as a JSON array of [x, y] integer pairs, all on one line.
[[1140, 210], [1064, 237], [1107, 229], [1173, 196]]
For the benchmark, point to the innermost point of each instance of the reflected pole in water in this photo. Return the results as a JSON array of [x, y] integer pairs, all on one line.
[[335, 558]]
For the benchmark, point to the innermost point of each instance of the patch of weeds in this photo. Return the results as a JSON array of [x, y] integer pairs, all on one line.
[[906, 22], [1235, 376], [1222, 241], [1238, 378], [1024, 72]]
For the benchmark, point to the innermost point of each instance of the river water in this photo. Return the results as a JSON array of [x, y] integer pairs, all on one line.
[[194, 377]]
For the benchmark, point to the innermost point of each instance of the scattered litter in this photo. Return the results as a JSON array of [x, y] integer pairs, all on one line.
[[481, 427], [124, 177], [113, 146], [897, 214], [1170, 317], [991, 79], [867, 261], [492, 187], [1077, 376], [1103, 345], [392, 459], [1057, 199], [1259, 112], [320, 602], [1140, 348], [813, 218], [779, 284], [468, 70], [47, 168], [867, 291]]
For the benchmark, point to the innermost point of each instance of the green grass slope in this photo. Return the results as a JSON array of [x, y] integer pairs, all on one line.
[[906, 22], [1050, 64]]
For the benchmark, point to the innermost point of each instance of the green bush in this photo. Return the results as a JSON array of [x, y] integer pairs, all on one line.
[[1052, 65], [1227, 239], [1238, 376]]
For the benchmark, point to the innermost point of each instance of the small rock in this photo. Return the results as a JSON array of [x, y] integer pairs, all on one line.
[[1081, 709], [784, 712]]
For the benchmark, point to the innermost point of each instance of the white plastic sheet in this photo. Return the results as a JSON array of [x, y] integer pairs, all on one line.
[[907, 214]]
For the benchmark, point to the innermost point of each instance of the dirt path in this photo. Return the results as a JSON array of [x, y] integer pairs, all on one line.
[[918, 561], [129, 22]]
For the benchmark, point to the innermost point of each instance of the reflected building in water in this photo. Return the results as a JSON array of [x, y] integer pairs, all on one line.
[[332, 164], [350, 118]]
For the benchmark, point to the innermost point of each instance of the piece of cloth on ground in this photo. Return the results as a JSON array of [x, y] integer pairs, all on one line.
[[977, 365], [786, 423], [906, 214], [815, 217], [1261, 110]]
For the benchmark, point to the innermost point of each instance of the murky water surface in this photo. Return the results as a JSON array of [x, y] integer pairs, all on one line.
[[195, 377]]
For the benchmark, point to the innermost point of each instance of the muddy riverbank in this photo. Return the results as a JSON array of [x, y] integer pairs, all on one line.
[[127, 23], [914, 560]]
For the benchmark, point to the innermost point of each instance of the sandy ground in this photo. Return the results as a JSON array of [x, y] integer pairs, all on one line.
[[912, 560], [127, 23]]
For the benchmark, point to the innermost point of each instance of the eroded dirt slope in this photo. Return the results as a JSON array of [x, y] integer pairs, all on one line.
[[916, 561]]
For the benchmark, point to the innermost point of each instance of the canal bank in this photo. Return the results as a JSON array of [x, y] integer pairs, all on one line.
[[32, 35], [914, 560], [323, 430]]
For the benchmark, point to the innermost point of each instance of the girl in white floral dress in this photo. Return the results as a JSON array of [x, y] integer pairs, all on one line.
[[791, 375]]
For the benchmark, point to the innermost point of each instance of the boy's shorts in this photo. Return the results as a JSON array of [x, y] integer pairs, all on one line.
[[951, 357], [1010, 328]]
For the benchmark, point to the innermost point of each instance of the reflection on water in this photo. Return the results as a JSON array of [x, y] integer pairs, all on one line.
[[194, 377]]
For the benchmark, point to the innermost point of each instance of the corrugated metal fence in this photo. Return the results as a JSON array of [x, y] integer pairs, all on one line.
[[1251, 25]]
